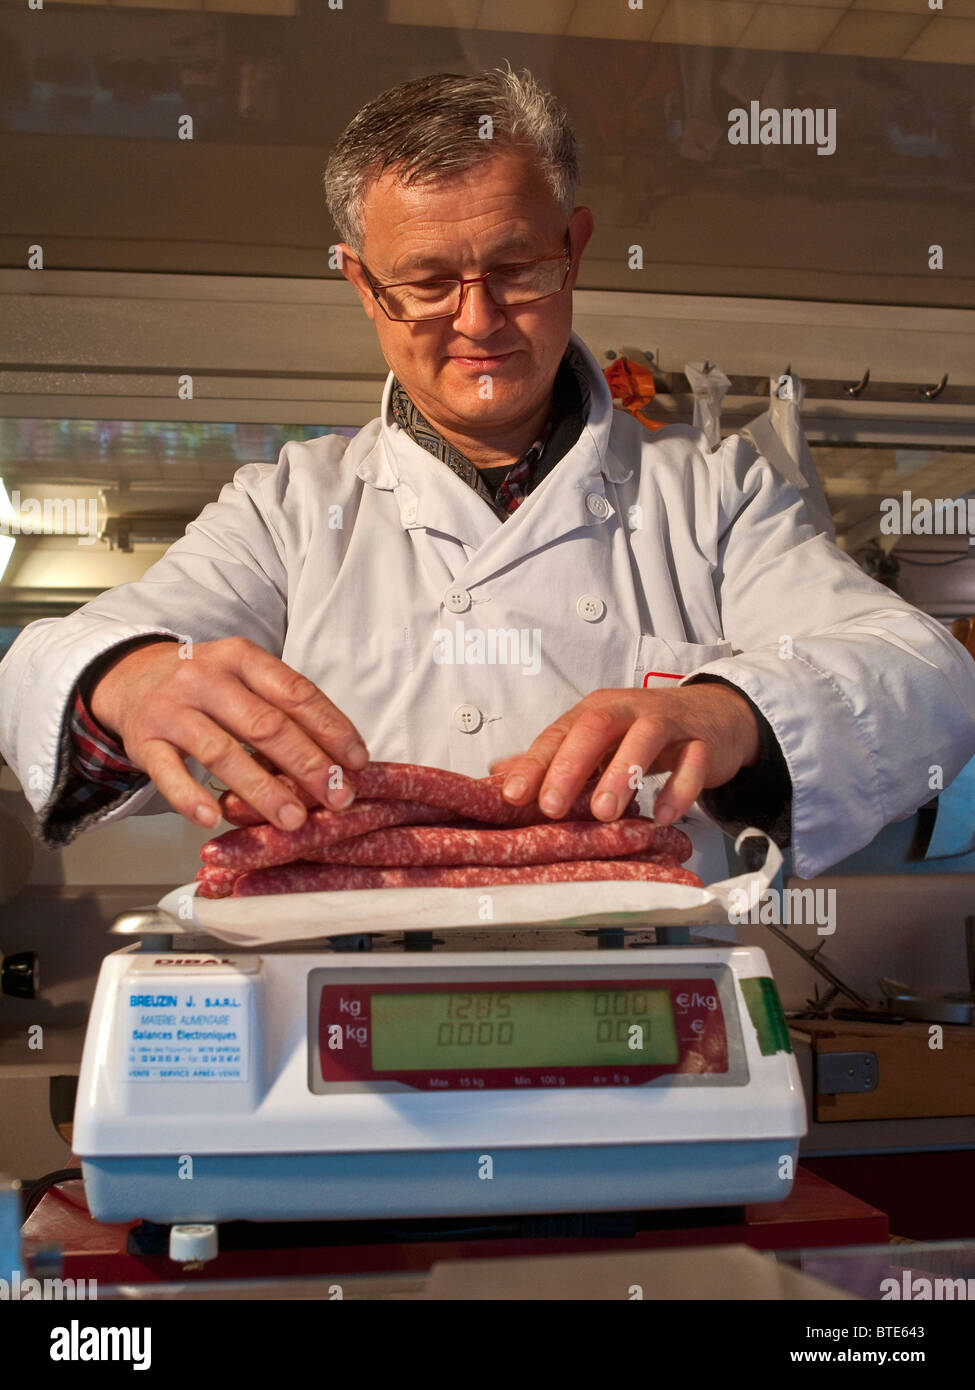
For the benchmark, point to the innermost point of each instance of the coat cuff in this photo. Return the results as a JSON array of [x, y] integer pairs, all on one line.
[[760, 795]]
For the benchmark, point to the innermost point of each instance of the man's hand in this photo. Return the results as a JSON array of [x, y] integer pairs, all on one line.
[[702, 734], [164, 706]]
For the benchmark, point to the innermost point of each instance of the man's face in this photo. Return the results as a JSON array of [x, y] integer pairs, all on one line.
[[500, 212]]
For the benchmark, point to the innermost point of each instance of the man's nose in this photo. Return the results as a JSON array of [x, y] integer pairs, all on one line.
[[478, 314]]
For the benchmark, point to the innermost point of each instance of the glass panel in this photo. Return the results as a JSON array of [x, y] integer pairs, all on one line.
[[90, 504], [163, 450], [94, 97], [907, 515]]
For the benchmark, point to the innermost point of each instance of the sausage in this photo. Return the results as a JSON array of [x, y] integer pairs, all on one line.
[[216, 883], [258, 846], [239, 812], [304, 877], [475, 798], [669, 842], [409, 845]]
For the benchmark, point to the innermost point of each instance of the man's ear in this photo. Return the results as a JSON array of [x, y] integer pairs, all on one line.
[[581, 227], [352, 270]]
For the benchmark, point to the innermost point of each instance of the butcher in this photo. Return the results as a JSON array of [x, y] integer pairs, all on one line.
[[498, 572]]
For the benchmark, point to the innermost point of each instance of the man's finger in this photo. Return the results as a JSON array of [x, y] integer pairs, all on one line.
[[165, 766], [572, 760], [281, 739], [685, 783], [640, 751], [288, 690], [503, 764], [526, 771], [201, 738]]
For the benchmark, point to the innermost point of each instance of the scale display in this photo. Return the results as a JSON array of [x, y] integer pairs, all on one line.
[[436, 1036], [521, 1028]]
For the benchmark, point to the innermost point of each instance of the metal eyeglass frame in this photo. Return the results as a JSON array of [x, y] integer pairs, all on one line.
[[565, 255]]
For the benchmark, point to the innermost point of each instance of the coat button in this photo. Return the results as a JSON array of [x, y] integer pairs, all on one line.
[[457, 600], [590, 608], [409, 513], [598, 505], [468, 719]]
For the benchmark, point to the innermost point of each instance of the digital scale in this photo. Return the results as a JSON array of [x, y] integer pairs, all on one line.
[[314, 1084]]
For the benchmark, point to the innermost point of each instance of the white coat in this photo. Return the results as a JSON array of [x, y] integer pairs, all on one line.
[[451, 638]]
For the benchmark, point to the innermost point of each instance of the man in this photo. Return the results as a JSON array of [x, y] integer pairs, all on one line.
[[500, 569]]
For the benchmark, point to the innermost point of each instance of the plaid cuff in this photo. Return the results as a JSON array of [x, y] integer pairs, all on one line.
[[98, 770], [98, 755]]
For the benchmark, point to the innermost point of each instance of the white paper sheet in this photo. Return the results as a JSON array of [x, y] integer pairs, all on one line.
[[286, 917]]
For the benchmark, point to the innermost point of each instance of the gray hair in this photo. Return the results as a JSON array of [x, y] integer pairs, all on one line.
[[429, 128]]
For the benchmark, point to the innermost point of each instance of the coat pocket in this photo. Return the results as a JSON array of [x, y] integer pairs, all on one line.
[[662, 664]]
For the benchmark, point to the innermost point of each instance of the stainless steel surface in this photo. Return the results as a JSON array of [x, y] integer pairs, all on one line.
[[146, 921]]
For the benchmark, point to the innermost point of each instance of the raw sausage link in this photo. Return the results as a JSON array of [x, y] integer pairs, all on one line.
[[219, 883], [668, 842], [216, 883], [239, 812], [410, 845], [476, 798], [316, 878], [258, 846]]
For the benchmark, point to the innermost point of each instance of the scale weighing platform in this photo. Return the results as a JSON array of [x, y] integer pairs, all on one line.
[[538, 1071]]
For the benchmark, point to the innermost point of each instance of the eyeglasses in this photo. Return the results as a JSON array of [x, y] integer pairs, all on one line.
[[415, 300]]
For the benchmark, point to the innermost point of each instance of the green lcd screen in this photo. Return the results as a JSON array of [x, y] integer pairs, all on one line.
[[446, 1031]]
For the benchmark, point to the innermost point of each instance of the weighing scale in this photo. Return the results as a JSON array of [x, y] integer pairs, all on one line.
[[507, 1073]]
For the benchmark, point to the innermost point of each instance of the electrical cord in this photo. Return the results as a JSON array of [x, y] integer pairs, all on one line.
[[37, 1189]]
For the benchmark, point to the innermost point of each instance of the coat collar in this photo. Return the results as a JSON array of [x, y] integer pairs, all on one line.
[[394, 452]]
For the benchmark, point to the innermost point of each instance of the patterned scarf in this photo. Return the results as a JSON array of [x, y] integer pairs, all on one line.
[[570, 407]]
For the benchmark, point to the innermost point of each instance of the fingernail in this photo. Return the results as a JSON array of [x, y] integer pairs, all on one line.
[[337, 798], [605, 806], [515, 787], [291, 816], [552, 802], [357, 754], [206, 815], [663, 813]]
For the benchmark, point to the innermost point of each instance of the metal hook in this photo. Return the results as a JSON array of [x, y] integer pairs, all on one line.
[[857, 387], [933, 392], [785, 389]]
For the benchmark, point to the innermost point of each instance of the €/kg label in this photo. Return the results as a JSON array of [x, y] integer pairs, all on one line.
[[185, 1032]]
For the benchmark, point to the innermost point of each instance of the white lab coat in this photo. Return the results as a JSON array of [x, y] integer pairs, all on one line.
[[641, 558]]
